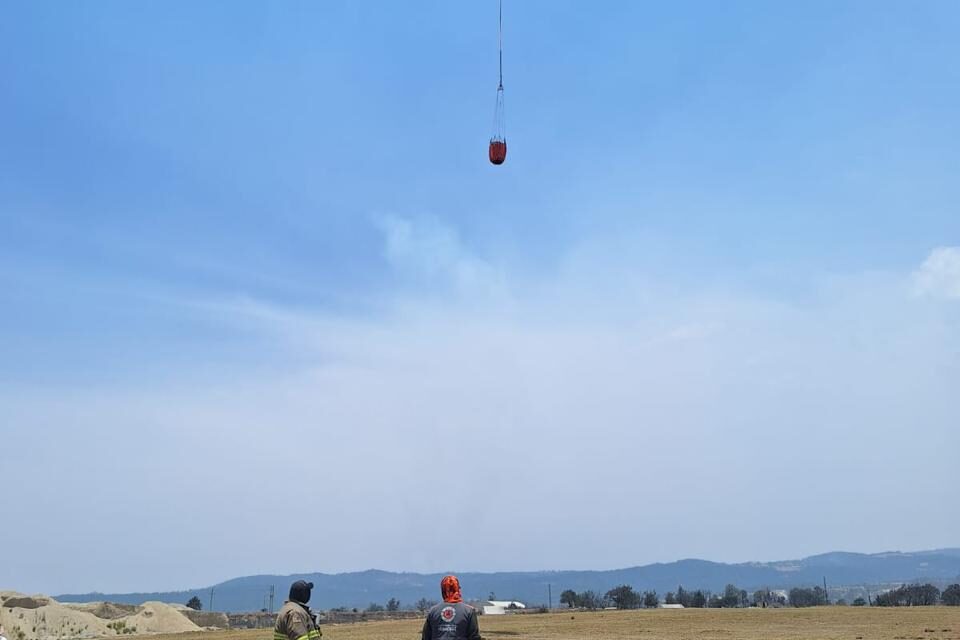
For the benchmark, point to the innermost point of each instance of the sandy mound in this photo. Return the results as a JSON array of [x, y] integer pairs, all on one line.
[[206, 619], [42, 618], [106, 610], [17, 601], [157, 617]]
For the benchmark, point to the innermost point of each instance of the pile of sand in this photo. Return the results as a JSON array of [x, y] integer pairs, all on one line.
[[20, 601], [42, 618], [157, 617], [106, 610]]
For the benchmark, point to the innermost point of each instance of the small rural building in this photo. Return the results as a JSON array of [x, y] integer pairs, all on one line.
[[501, 607], [671, 606]]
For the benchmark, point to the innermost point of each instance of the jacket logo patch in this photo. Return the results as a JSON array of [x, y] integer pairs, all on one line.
[[448, 613]]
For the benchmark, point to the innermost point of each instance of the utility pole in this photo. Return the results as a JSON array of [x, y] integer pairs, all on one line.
[[826, 597], [210, 608], [549, 596], [272, 587]]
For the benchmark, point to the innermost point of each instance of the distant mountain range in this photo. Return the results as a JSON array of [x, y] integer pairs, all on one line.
[[359, 589]]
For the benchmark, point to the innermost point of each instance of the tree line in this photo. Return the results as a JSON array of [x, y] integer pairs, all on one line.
[[919, 595], [626, 597]]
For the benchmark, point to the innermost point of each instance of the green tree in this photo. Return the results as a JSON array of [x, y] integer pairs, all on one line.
[[374, 608], [624, 597], [698, 600], [859, 602], [914, 595], [821, 596], [731, 597], [650, 599], [683, 597], [393, 604], [951, 596], [194, 603], [569, 598], [800, 597], [590, 600], [423, 605]]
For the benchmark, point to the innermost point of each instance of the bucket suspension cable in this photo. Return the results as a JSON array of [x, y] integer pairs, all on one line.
[[500, 43], [498, 140]]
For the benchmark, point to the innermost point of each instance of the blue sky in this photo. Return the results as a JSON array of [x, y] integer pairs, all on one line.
[[255, 253]]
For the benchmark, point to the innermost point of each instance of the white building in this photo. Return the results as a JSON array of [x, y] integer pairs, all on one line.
[[500, 607], [671, 606]]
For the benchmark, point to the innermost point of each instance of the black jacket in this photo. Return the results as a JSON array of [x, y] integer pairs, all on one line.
[[451, 621]]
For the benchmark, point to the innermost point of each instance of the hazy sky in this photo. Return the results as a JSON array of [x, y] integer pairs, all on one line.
[[266, 307]]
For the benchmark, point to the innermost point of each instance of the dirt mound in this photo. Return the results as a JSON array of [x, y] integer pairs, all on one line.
[[106, 610], [44, 618], [159, 617], [26, 602], [207, 619]]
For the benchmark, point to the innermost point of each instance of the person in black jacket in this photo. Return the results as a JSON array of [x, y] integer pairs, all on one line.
[[451, 619]]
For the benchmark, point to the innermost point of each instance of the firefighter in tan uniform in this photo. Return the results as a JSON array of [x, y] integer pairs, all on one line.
[[295, 620]]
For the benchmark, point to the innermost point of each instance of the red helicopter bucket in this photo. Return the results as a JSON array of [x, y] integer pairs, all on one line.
[[498, 151]]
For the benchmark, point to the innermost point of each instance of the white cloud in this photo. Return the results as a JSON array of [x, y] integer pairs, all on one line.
[[426, 249], [939, 275]]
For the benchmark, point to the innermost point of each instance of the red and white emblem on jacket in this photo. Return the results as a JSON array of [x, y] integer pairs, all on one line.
[[448, 613]]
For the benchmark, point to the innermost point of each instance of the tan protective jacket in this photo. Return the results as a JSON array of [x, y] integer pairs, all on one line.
[[294, 622]]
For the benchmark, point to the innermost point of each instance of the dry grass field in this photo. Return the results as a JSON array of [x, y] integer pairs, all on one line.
[[846, 623]]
